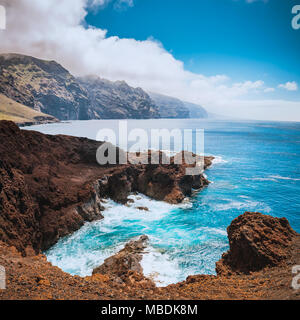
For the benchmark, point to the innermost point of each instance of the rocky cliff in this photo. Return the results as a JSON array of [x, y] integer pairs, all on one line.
[[196, 111], [121, 277], [117, 100], [51, 185], [44, 86], [173, 108], [170, 107], [47, 87], [256, 242]]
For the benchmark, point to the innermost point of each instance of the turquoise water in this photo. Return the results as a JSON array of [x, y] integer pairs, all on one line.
[[256, 169]]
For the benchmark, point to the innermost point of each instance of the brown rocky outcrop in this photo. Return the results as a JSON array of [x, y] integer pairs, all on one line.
[[18, 213], [126, 262], [51, 185], [256, 241], [33, 278]]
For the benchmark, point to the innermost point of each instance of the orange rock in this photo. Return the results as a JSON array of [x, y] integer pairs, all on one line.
[[99, 277]]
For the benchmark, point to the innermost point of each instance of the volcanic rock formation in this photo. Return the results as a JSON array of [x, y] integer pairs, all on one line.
[[125, 262], [256, 241], [32, 277], [51, 185]]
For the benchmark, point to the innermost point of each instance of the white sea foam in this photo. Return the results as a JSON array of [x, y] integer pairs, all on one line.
[[76, 258], [275, 178], [260, 179], [244, 197], [219, 160], [165, 268], [158, 266], [284, 178], [239, 205], [220, 231], [79, 254]]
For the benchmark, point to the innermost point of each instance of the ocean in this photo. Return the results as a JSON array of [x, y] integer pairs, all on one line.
[[256, 168]]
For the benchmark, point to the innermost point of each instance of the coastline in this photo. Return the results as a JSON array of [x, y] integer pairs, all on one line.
[[43, 120], [61, 184], [34, 278], [55, 199]]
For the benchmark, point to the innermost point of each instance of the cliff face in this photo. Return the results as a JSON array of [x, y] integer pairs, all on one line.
[[42, 85], [117, 100], [170, 107], [173, 108], [41, 195], [51, 185], [196, 111], [49, 88]]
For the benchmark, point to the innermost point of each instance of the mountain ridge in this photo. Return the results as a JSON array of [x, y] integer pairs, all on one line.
[[118, 100], [47, 87]]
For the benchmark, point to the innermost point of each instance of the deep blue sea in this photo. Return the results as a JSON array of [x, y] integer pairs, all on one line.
[[256, 169]]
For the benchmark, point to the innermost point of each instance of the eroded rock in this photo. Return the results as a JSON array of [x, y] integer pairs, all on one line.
[[126, 260], [256, 241], [50, 185]]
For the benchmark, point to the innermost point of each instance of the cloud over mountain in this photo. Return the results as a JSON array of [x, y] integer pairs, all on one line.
[[56, 30]]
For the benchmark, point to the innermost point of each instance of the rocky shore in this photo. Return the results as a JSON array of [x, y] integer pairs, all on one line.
[[121, 277], [51, 185], [37, 121]]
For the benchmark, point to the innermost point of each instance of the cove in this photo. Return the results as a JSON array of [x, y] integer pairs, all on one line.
[[256, 169]]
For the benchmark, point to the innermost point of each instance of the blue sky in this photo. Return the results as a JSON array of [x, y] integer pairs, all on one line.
[[236, 38], [238, 58]]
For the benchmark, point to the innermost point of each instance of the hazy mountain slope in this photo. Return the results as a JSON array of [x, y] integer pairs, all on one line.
[[196, 111], [170, 107], [14, 111], [117, 100]]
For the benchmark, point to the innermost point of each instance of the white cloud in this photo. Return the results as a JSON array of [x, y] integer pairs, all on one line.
[[56, 30], [118, 4], [98, 2], [124, 3], [269, 90], [290, 86]]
